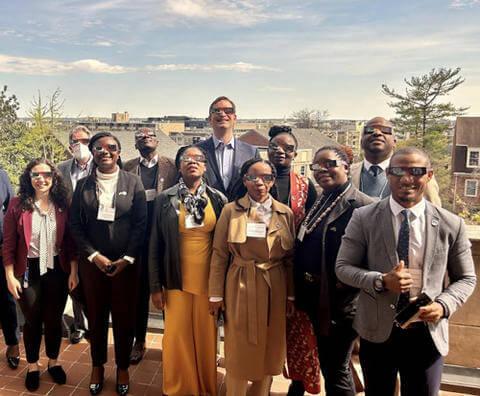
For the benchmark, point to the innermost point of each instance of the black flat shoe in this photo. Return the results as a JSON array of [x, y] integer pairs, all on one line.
[[76, 336], [122, 389], [57, 374], [12, 361], [32, 380], [96, 388]]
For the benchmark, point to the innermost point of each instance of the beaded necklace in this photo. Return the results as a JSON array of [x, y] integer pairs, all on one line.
[[308, 230]]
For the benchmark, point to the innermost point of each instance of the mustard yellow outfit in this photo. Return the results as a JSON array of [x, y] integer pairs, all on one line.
[[190, 339]]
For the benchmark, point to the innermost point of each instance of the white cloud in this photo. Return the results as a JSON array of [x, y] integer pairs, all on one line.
[[102, 44], [163, 55], [237, 67], [463, 3]]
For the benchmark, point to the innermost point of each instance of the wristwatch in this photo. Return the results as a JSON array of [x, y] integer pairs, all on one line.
[[379, 284]]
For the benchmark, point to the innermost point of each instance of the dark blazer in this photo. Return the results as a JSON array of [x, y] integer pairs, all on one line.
[[17, 232], [342, 297], [166, 175], [369, 248], [6, 193], [123, 236], [164, 253], [242, 152]]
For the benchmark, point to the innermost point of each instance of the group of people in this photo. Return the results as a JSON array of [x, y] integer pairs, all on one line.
[[221, 236]]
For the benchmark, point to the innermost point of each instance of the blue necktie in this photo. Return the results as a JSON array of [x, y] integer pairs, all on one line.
[[375, 170], [402, 250]]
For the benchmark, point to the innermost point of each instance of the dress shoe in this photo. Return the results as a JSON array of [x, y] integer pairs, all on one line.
[[138, 351], [96, 387], [12, 361], [57, 374], [122, 389], [76, 336], [32, 380]]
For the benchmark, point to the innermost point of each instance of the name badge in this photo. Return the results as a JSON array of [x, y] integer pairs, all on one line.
[[190, 222], [301, 233], [105, 213], [417, 277], [256, 230], [151, 194]]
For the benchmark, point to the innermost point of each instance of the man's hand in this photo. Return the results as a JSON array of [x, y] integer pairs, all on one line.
[[432, 312], [159, 299], [290, 308], [119, 264], [398, 279], [101, 262], [214, 306]]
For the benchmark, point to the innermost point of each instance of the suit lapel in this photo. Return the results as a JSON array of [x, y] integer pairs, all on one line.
[[27, 226], [384, 220], [212, 161], [432, 225], [60, 218]]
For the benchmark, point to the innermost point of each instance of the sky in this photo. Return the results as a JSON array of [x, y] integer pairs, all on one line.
[[173, 57]]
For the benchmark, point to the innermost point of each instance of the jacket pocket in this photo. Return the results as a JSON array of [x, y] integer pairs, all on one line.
[[367, 311]]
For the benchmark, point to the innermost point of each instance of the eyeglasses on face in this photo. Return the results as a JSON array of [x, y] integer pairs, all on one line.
[[45, 175], [84, 141], [267, 177], [288, 148], [106, 147], [371, 129], [327, 164], [193, 158], [400, 171], [219, 110], [144, 135]]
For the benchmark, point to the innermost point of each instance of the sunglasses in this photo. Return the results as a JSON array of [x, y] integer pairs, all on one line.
[[288, 148], [107, 147], [267, 178], [402, 171], [327, 164], [384, 129], [45, 175], [193, 158], [84, 141], [141, 135], [226, 110]]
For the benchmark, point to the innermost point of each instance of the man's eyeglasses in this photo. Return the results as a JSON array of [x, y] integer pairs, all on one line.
[[193, 158], [402, 171], [226, 110], [83, 141], [45, 175], [384, 129], [107, 147], [144, 135], [327, 164], [267, 178], [288, 148]]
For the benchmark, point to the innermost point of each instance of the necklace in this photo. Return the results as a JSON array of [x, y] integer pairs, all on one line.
[[308, 230]]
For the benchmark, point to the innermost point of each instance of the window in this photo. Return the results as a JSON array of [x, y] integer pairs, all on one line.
[[473, 158], [471, 188], [303, 169]]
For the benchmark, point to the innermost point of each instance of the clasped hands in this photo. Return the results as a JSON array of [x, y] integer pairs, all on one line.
[[103, 264], [399, 280]]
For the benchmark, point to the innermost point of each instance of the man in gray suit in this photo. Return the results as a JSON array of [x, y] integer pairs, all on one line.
[[378, 143], [225, 153], [73, 170], [392, 250]]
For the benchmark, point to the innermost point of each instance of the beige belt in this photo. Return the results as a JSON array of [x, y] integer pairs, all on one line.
[[251, 288]]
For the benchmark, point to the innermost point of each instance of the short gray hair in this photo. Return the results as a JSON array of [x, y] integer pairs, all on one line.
[[82, 128]]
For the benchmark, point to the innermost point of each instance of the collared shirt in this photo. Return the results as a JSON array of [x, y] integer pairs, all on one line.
[[416, 251], [263, 209], [149, 164], [224, 155], [78, 172], [383, 165]]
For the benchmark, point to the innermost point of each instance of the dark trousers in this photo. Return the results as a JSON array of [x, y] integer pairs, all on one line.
[[42, 303], [79, 316], [334, 352], [8, 311], [104, 295], [411, 353], [143, 301]]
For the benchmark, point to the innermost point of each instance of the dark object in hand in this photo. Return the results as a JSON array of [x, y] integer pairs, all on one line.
[[110, 269], [220, 321], [412, 311]]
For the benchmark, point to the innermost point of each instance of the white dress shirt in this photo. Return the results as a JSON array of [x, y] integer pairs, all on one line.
[[383, 165], [263, 209], [224, 155], [79, 172], [416, 251], [149, 163]]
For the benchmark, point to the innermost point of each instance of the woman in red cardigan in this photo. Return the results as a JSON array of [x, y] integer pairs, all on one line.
[[37, 258]]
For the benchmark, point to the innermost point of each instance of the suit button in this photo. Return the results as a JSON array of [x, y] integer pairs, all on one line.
[[392, 306]]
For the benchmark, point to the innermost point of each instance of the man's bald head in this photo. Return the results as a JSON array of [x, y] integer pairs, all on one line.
[[380, 121]]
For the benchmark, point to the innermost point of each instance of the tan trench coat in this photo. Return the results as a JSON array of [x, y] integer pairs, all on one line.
[[254, 286]]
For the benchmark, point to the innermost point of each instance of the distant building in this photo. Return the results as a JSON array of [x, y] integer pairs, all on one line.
[[466, 160], [121, 117]]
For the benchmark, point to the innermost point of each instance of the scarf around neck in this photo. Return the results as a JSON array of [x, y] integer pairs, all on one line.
[[194, 204]]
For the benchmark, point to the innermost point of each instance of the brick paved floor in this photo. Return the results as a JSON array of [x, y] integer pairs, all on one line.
[[145, 378]]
